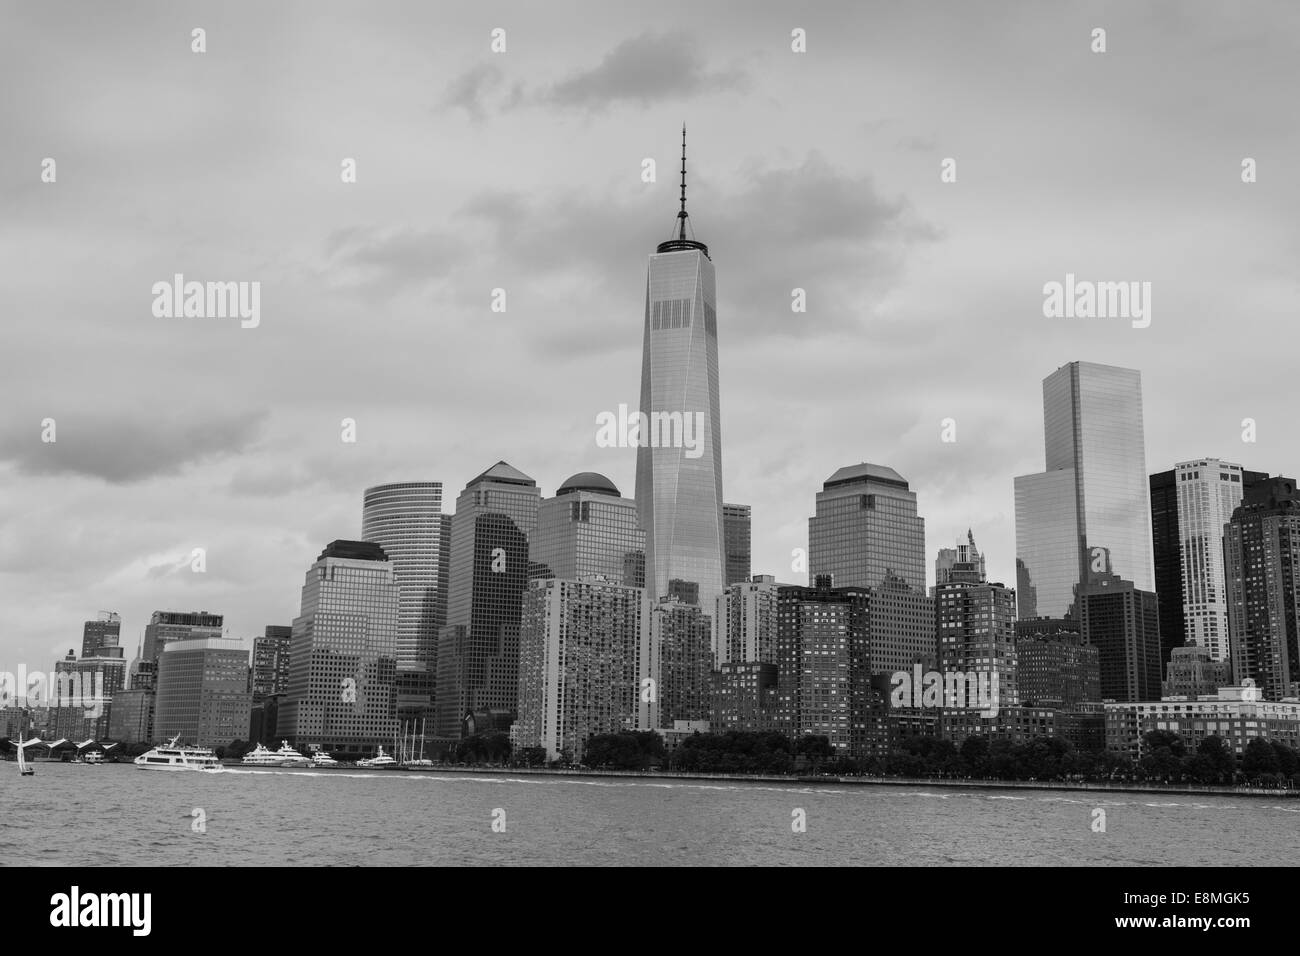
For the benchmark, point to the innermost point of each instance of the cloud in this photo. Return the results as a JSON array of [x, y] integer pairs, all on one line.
[[645, 69], [131, 448], [468, 90], [383, 260]]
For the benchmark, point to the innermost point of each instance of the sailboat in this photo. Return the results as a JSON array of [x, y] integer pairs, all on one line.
[[23, 769]]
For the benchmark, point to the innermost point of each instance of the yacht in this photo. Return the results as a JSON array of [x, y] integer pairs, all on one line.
[[289, 757], [173, 756], [259, 756], [286, 756], [321, 759], [378, 762]]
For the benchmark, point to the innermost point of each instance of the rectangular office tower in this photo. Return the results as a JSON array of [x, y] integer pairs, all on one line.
[[478, 650], [1261, 548], [343, 654], [580, 663], [271, 662], [1123, 623], [588, 529], [679, 453], [1088, 512], [102, 636], [736, 538], [202, 694], [405, 519], [1190, 504], [866, 530]]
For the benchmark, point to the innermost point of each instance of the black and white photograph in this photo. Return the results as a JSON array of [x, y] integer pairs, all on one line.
[[633, 435]]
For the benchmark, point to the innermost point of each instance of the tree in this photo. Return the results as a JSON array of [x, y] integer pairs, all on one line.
[[975, 755], [1260, 758]]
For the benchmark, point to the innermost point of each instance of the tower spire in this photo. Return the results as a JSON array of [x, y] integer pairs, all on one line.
[[680, 243], [681, 234]]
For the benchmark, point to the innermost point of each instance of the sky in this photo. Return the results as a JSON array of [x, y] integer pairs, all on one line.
[[522, 170]]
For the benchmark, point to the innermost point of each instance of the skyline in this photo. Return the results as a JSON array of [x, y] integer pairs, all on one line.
[[106, 518]]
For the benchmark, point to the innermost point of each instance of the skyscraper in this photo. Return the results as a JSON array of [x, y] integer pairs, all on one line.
[[1123, 623], [736, 538], [962, 564], [1088, 512], [102, 636], [1190, 504], [588, 528], [975, 620], [167, 626], [1261, 547], [406, 520], [478, 650], [679, 488], [681, 653], [824, 663], [343, 654], [580, 663], [271, 662], [746, 622], [866, 530], [202, 694]]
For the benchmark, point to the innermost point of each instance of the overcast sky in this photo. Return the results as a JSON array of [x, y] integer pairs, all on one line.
[[522, 170]]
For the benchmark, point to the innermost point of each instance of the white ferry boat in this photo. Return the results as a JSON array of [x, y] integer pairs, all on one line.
[[323, 760], [173, 756], [378, 762], [93, 758]]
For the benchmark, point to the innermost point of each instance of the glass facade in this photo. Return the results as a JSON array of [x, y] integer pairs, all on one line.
[[343, 654], [735, 534], [584, 532], [866, 530], [1093, 438], [478, 650], [679, 497], [1047, 545], [406, 520]]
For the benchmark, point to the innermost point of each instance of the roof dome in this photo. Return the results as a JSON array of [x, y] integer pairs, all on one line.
[[588, 481]]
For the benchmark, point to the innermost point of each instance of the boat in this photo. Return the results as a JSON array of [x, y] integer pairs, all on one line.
[[23, 769], [259, 756], [173, 756], [286, 756], [321, 759], [379, 761], [291, 758], [94, 758]]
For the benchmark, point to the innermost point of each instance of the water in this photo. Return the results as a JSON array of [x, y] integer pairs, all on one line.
[[120, 815]]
